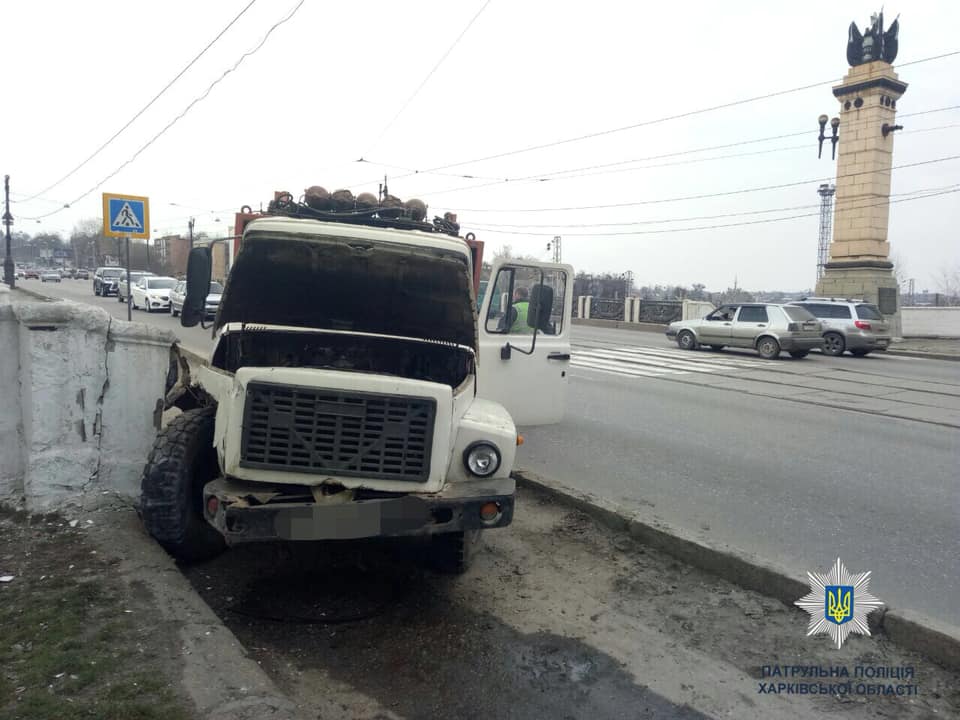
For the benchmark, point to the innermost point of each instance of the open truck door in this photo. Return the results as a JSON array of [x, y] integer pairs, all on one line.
[[525, 339]]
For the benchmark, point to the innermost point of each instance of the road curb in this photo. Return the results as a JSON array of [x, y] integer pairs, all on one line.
[[921, 354], [621, 325], [937, 641], [221, 679]]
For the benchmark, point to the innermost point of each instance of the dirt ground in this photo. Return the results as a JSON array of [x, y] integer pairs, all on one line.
[[76, 641], [558, 618]]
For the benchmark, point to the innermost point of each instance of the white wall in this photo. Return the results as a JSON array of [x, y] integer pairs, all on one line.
[[79, 393], [930, 321], [696, 309]]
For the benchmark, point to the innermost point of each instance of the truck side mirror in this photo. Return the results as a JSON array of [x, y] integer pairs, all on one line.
[[199, 265], [541, 305]]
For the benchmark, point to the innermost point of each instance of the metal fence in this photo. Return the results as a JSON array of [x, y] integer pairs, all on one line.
[[606, 309], [660, 311]]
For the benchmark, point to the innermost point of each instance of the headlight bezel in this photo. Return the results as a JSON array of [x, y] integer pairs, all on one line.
[[476, 445]]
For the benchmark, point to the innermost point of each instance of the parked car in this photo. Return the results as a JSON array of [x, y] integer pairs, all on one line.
[[854, 325], [768, 328], [106, 280], [179, 292], [50, 276], [123, 291], [152, 293]]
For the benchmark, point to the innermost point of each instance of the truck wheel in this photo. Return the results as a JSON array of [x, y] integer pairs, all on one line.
[[181, 462], [452, 553]]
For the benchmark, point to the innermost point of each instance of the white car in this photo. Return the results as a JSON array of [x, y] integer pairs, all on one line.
[[50, 276], [152, 293]]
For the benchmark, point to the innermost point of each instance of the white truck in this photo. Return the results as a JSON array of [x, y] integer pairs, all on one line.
[[352, 392]]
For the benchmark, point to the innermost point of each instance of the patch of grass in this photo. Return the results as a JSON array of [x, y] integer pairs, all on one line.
[[67, 649]]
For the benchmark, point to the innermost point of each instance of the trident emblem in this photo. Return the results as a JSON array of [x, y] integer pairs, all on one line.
[[839, 603]]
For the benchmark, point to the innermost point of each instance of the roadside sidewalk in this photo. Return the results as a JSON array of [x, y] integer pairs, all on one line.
[[98, 621], [937, 348], [932, 348]]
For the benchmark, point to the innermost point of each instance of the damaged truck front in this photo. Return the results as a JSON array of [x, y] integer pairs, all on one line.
[[341, 399]]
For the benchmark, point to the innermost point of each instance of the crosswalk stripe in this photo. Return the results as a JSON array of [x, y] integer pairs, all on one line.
[[654, 362], [682, 355], [624, 369], [698, 364], [665, 365]]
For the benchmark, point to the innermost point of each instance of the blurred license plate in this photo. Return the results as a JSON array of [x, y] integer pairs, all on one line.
[[882, 343]]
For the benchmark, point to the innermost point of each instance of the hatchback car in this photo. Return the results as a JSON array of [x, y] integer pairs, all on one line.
[[854, 325], [50, 276], [767, 328]]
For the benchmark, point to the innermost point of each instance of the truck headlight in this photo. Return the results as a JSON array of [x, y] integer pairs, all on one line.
[[481, 459]]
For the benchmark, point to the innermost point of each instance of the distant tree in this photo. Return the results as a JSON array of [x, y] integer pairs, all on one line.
[[697, 291], [948, 284], [85, 239], [900, 270], [735, 295]]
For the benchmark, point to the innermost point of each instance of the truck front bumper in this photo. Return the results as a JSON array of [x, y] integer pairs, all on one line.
[[230, 506]]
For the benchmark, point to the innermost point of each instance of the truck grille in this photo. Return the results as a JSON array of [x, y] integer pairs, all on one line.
[[304, 429]]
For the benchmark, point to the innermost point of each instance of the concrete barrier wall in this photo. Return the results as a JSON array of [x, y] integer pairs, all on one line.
[[930, 321], [78, 408], [696, 309]]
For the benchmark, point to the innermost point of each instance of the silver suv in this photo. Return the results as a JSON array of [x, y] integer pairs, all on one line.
[[854, 325]]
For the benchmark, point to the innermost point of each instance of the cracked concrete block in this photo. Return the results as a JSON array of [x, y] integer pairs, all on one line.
[[80, 401], [137, 358], [12, 452], [61, 376]]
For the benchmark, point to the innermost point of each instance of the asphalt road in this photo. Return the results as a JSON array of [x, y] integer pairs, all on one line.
[[195, 338], [795, 461], [558, 618]]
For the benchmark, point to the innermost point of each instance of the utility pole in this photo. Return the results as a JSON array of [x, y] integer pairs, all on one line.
[[9, 277], [190, 226]]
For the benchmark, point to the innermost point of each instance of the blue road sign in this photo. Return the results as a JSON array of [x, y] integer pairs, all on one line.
[[126, 215]]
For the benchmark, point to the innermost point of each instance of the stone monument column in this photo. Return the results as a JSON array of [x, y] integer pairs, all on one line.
[[859, 264]]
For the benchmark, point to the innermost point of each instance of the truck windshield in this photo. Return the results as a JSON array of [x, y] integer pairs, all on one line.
[[330, 283]]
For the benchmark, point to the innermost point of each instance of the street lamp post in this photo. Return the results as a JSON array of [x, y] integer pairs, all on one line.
[[9, 276]]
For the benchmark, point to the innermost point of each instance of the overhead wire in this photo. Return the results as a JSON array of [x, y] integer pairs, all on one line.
[[187, 109], [701, 196], [430, 74], [656, 121], [576, 172], [954, 189], [146, 107], [689, 218]]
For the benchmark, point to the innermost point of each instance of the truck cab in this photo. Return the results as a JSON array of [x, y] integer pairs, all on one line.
[[352, 391]]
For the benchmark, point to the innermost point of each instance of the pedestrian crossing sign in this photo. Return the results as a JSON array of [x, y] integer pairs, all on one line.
[[126, 216]]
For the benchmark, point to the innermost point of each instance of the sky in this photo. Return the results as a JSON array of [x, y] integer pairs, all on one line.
[[425, 92]]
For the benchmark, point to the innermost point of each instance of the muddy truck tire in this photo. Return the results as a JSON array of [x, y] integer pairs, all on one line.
[[180, 463], [452, 553]]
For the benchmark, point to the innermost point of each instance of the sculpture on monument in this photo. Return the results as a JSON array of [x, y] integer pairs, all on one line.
[[874, 43]]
